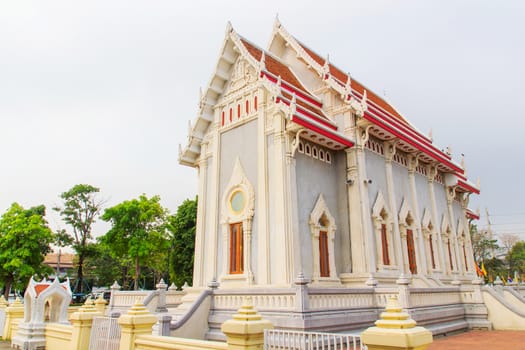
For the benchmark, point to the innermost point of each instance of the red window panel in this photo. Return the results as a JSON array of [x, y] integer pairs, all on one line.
[[432, 251], [255, 102], [247, 107], [324, 266], [231, 114], [238, 111], [465, 257], [222, 122], [384, 245], [236, 249], [450, 256], [411, 252]]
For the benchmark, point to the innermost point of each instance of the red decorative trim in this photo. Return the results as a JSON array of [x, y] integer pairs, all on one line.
[[419, 146], [345, 142], [471, 215], [309, 114], [467, 187], [291, 88]]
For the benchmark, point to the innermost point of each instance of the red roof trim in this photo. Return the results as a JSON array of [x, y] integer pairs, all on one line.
[[327, 133], [419, 146], [413, 133], [309, 114], [467, 187], [292, 89], [472, 215]]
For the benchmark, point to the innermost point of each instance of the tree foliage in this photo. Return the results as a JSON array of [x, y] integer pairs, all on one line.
[[182, 228], [25, 238], [138, 231], [482, 245], [80, 210], [516, 258]]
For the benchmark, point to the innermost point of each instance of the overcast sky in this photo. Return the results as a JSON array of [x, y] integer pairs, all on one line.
[[100, 92]]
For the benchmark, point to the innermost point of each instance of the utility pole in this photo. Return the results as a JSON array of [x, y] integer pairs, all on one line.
[[489, 231]]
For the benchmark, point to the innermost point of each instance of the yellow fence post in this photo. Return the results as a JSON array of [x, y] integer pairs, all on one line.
[[395, 330], [246, 329], [82, 320], [14, 312], [100, 305], [137, 321]]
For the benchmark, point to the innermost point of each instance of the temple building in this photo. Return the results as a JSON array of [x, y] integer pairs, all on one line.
[[307, 175]]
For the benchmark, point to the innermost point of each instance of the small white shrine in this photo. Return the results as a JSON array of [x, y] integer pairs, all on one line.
[[44, 301]]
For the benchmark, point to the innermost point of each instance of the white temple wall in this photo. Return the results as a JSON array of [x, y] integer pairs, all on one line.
[[375, 168], [239, 142], [401, 185], [328, 180], [441, 202], [423, 196]]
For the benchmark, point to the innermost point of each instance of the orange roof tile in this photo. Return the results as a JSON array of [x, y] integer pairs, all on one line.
[[343, 77], [274, 66]]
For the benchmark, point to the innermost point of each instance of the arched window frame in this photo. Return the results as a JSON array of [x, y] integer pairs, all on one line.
[[406, 224], [382, 219], [430, 238], [238, 183], [321, 212], [448, 246]]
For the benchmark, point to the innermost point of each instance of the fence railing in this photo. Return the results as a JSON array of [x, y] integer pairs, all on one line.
[[296, 340], [105, 334]]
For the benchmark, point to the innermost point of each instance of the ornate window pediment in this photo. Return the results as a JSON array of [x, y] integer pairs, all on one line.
[[238, 208], [323, 228]]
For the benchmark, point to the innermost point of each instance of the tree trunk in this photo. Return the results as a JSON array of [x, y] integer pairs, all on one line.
[[137, 273], [80, 274], [7, 286]]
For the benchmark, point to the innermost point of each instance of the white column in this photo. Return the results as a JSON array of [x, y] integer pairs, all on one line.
[[390, 151], [283, 250], [198, 273], [421, 260], [451, 194], [263, 238], [212, 225], [361, 231], [441, 260]]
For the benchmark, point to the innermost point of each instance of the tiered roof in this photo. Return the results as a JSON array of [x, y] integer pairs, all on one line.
[[307, 110]]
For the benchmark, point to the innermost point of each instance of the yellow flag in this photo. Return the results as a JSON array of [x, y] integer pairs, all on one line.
[[483, 269]]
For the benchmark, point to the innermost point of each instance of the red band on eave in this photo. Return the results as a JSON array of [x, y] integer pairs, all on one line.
[[411, 142], [321, 131]]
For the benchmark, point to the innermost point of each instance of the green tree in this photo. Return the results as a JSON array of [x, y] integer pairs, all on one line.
[[182, 229], [103, 268], [138, 231], [80, 210], [25, 238], [516, 258], [482, 246]]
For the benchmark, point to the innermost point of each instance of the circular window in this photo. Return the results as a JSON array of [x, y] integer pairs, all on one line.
[[237, 201]]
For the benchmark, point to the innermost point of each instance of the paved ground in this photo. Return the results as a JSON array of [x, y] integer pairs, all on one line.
[[474, 340], [480, 340]]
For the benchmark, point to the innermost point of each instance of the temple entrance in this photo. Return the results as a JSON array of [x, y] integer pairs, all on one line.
[[411, 252]]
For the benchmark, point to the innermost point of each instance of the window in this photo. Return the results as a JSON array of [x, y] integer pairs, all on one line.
[[411, 252], [222, 122], [465, 257], [255, 102], [247, 107], [238, 111], [231, 115], [307, 150], [384, 245], [450, 256], [432, 251], [236, 249], [324, 264]]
